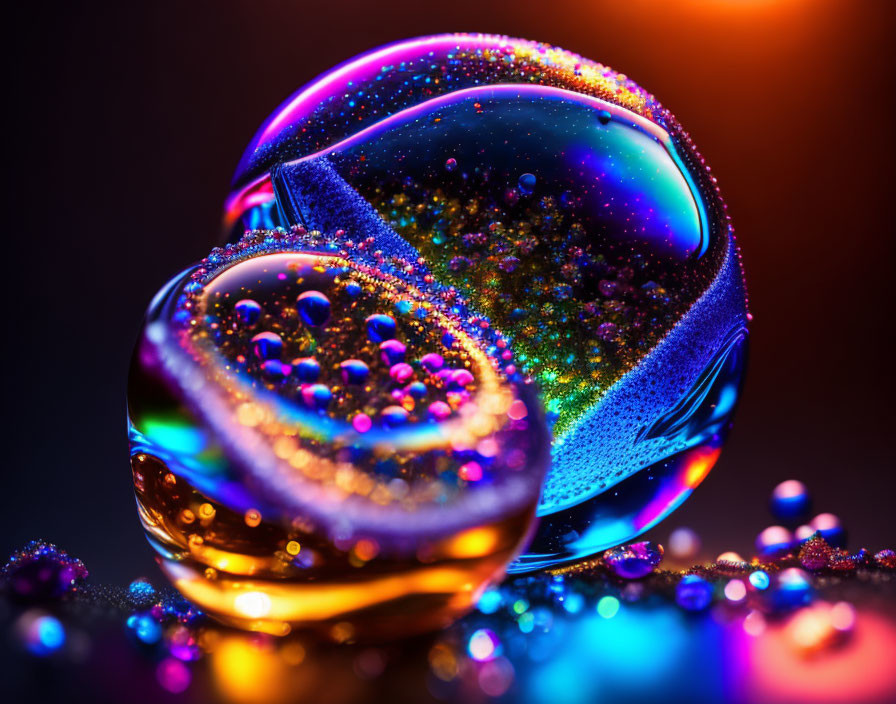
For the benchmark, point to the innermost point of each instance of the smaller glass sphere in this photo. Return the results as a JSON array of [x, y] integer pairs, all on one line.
[[790, 501], [693, 593], [830, 528], [308, 448], [774, 540]]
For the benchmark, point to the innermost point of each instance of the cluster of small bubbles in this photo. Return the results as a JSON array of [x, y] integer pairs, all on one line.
[[886, 558], [142, 593], [40, 572], [790, 503], [391, 371], [815, 553]]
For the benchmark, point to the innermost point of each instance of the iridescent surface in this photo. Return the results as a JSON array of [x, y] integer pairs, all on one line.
[[572, 211], [589, 307], [627, 626], [314, 437]]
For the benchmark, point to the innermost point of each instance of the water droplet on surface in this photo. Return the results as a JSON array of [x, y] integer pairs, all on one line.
[[380, 327], [634, 561], [247, 311], [354, 371], [267, 345], [314, 308], [306, 369], [392, 352], [526, 183]]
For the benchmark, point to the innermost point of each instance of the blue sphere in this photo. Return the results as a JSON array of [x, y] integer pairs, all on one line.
[[380, 327], [790, 501], [693, 593], [314, 308]]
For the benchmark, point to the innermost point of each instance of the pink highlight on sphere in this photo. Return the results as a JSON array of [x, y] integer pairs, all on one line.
[[488, 447], [824, 521], [804, 532], [789, 489], [439, 410], [401, 372], [173, 675], [393, 415], [462, 377], [432, 362], [774, 537], [471, 472], [684, 543], [392, 351], [362, 423], [843, 616], [735, 591], [517, 410]]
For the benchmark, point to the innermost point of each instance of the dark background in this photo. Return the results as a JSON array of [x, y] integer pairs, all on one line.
[[127, 122]]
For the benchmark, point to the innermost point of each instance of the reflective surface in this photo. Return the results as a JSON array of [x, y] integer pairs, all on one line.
[[729, 630], [574, 213]]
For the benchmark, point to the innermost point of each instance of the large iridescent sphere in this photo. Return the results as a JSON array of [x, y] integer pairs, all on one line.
[[573, 213]]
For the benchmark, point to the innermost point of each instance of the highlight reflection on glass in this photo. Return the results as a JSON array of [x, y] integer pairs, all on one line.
[[573, 213]]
